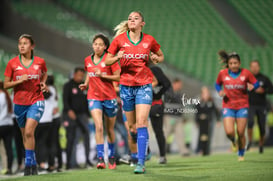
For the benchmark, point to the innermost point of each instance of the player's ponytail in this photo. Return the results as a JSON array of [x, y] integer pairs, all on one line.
[[29, 37], [121, 28], [224, 57]]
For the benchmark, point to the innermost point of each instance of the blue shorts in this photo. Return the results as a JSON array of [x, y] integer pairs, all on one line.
[[34, 111], [240, 113], [109, 107], [132, 95]]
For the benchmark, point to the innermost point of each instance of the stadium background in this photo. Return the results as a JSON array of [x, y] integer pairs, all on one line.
[[190, 33]]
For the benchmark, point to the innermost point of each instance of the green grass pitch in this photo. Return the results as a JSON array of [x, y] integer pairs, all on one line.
[[215, 167]]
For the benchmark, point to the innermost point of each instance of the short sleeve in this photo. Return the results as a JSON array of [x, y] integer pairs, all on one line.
[[219, 78], [114, 47], [154, 46], [251, 77], [115, 67], [8, 71], [44, 69]]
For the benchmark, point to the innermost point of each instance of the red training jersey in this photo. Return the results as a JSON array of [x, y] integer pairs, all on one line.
[[134, 63], [28, 92], [235, 88], [99, 88]]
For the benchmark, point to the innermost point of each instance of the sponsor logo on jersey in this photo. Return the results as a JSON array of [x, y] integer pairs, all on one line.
[[93, 74], [19, 68], [89, 65], [145, 45], [243, 78], [36, 67], [30, 77], [235, 86], [138, 56], [126, 45]]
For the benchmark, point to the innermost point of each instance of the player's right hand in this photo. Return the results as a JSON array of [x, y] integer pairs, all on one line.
[[24, 78], [120, 54], [83, 87]]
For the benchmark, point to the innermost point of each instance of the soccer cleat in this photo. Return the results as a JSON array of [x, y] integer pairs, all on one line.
[[34, 170], [140, 169], [112, 163], [27, 171], [241, 158], [234, 147], [101, 163], [162, 160], [125, 159]]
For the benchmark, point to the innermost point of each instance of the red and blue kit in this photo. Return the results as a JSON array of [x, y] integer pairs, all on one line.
[[29, 91], [235, 88]]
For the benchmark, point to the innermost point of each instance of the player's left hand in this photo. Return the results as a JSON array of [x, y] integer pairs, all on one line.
[[250, 87], [43, 87], [154, 58]]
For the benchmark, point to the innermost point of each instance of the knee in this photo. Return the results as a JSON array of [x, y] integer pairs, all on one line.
[[230, 134], [28, 134], [99, 129], [141, 123], [241, 133]]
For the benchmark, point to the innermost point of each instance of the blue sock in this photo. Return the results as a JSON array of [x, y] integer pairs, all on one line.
[[142, 140], [100, 151], [34, 163], [28, 158], [111, 150], [134, 156], [241, 152]]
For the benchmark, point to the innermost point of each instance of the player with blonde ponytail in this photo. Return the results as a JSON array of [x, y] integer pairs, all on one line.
[[132, 48]]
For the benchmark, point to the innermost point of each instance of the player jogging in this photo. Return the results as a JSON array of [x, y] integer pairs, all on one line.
[[26, 73], [131, 48], [102, 97], [236, 81]]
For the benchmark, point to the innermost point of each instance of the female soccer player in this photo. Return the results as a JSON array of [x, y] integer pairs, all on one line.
[[132, 48], [235, 81], [26, 73], [102, 97]]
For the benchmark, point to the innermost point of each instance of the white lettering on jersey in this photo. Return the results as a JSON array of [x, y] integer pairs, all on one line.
[[33, 76], [142, 56]]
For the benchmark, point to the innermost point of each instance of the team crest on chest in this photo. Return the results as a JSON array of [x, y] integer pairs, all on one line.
[[145, 45], [242, 78], [36, 67]]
